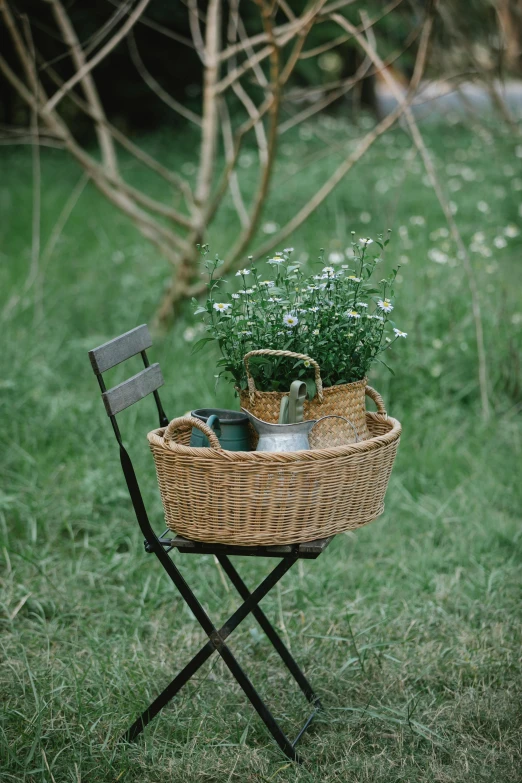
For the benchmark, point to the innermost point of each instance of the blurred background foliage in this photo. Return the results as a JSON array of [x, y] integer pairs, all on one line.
[[465, 29]]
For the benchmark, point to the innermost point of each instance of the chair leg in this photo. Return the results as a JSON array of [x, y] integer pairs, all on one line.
[[270, 631], [217, 642]]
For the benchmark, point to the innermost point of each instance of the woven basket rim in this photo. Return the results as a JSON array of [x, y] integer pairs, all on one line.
[[201, 453], [326, 390]]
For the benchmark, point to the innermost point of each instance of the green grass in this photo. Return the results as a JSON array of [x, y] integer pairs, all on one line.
[[410, 630]]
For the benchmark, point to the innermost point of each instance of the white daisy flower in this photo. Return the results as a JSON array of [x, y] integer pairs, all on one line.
[[315, 332], [353, 314], [276, 260], [328, 271], [246, 332], [221, 306], [288, 250], [290, 320], [270, 227], [242, 272], [366, 241], [235, 296], [354, 278], [249, 291], [275, 299], [385, 305], [398, 333], [361, 304], [267, 283], [314, 309]]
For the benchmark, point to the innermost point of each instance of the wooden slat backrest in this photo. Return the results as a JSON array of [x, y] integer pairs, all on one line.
[[132, 390], [123, 347]]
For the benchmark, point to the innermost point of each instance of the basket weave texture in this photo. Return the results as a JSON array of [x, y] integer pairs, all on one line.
[[264, 498], [346, 400]]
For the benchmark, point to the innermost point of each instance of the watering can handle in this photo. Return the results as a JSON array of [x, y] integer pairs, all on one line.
[[214, 424], [291, 355], [333, 416], [185, 423]]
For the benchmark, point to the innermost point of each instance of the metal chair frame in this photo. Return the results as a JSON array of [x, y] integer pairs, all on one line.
[[117, 399]]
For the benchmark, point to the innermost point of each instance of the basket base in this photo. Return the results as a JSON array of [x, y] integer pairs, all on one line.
[[232, 539]]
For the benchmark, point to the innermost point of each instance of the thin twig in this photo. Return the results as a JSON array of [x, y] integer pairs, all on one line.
[[101, 55]]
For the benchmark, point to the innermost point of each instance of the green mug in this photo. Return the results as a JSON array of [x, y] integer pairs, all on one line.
[[231, 427]]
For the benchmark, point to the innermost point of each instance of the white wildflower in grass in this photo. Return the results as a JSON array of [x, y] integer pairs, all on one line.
[[270, 227], [345, 266], [315, 332], [314, 309], [398, 333], [361, 304], [241, 272], [276, 260], [353, 314], [354, 278], [328, 271], [500, 242], [385, 305], [221, 307], [434, 254], [275, 299], [267, 283], [511, 231], [249, 291], [236, 296], [290, 320], [366, 241], [288, 250], [335, 257]]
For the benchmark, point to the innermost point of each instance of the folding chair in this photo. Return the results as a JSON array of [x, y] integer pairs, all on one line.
[[116, 399]]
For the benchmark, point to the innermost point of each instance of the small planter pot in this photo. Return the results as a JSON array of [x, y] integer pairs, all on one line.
[[231, 428]]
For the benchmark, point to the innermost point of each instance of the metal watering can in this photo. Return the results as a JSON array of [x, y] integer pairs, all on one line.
[[287, 437]]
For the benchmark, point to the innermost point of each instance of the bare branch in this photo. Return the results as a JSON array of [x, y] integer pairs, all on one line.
[[233, 181], [151, 82], [89, 88], [104, 51], [210, 114], [159, 28], [430, 170], [195, 30]]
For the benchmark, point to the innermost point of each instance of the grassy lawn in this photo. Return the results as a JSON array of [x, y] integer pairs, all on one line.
[[410, 629]]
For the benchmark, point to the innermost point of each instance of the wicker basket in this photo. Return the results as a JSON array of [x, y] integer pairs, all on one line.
[[262, 498], [346, 400]]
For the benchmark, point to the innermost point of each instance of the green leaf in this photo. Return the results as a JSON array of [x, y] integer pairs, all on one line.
[[200, 344], [200, 310]]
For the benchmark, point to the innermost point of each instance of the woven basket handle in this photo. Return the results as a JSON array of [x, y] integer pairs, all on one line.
[[291, 354], [186, 423], [378, 400]]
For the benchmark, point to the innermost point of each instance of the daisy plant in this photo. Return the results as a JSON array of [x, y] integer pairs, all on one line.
[[338, 316]]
